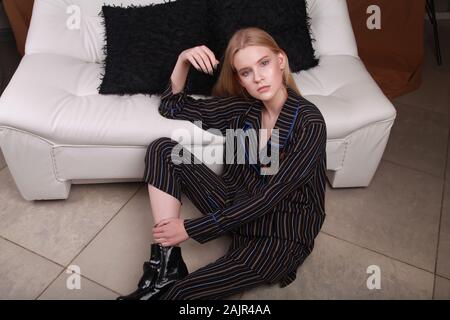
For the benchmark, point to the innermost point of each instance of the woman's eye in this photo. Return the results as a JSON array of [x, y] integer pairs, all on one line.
[[264, 63]]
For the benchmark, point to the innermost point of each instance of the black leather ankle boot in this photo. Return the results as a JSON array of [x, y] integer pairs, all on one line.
[[148, 279], [172, 268]]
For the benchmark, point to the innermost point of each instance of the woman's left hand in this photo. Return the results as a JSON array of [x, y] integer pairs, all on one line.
[[170, 232]]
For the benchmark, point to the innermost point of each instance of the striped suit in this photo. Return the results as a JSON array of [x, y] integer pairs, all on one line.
[[273, 219]]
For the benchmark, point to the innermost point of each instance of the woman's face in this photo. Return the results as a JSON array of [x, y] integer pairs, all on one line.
[[257, 67]]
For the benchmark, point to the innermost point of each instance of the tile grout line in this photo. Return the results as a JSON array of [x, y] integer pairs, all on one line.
[[89, 242], [64, 270], [440, 217], [107, 223], [101, 285], [427, 111], [89, 279], [420, 107], [383, 254], [31, 251], [415, 169]]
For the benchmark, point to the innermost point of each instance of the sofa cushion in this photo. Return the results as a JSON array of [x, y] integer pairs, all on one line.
[[144, 42], [286, 21]]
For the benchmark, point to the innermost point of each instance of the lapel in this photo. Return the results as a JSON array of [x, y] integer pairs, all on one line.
[[285, 120], [284, 123]]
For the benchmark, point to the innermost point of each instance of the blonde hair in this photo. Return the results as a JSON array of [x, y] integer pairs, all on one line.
[[227, 83]]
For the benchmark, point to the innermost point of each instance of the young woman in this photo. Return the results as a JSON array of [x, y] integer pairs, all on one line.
[[273, 219]]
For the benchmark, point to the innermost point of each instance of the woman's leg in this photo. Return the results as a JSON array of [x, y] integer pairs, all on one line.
[[167, 180], [217, 280], [163, 205]]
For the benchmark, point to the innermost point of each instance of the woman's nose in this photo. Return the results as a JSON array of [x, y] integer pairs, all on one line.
[[258, 77]]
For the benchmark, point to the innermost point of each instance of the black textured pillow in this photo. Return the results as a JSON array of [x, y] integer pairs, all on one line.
[[285, 20], [143, 44]]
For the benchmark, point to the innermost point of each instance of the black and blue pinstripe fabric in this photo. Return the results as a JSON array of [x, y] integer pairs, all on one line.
[[272, 219]]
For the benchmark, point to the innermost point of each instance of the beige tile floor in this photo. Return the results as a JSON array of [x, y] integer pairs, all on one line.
[[400, 223]]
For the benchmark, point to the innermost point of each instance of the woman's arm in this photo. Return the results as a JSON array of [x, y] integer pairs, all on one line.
[[179, 74], [213, 112], [296, 169]]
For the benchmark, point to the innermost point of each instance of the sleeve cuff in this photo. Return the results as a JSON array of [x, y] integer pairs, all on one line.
[[203, 229], [172, 103], [167, 93]]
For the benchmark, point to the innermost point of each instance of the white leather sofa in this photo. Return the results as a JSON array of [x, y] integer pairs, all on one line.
[[56, 130]]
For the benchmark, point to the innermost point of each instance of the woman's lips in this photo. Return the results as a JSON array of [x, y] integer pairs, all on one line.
[[263, 89]]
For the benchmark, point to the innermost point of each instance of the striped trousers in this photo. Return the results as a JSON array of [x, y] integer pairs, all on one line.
[[224, 277]]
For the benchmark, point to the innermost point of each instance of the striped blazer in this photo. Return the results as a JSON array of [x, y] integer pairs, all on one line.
[[288, 205]]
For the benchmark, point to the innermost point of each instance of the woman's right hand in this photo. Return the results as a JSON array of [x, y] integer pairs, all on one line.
[[201, 57]]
